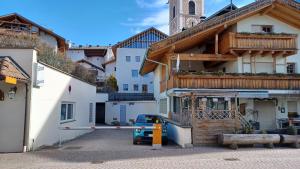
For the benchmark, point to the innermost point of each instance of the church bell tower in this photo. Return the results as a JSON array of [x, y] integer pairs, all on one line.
[[184, 14]]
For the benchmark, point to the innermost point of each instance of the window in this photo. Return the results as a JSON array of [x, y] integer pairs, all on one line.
[[192, 10], [91, 113], [217, 104], [145, 88], [137, 58], [128, 58], [262, 28], [136, 87], [67, 112], [163, 106], [174, 12], [115, 68], [291, 68], [125, 87], [267, 29], [134, 73]]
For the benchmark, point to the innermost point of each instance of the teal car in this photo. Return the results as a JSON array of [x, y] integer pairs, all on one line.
[[145, 135]]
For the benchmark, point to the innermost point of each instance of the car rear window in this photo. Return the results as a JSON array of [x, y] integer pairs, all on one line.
[[148, 119]]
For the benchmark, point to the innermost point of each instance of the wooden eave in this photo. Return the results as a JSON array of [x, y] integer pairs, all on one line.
[[158, 50]]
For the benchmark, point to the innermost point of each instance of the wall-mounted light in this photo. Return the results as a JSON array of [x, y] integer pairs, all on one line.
[[12, 92]]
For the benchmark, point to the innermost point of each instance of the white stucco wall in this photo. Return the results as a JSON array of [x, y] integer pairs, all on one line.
[[12, 115], [181, 136], [278, 27], [123, 73], [110, 69], [45, 102], [49, 40], [76, 55], [46, 106], [112, 110]]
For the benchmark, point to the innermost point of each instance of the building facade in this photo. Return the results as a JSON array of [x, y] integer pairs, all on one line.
[[17, 23], [233, 71], [130, 54], [34, 108]]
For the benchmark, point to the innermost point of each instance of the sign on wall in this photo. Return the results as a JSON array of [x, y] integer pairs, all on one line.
[[39, 78]]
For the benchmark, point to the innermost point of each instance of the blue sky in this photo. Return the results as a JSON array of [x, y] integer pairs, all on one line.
[[100, 22]]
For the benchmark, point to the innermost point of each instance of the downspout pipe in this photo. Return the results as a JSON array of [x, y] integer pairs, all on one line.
[[25, 119], [167, 73]]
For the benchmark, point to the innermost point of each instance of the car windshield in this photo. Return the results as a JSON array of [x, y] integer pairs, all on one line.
[[148, 119]]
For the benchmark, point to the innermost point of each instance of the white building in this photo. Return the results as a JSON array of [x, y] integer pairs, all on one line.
[[130, 54], [37, 99], [94, 56]]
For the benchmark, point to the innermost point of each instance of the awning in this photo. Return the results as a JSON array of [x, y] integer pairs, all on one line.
[[253, 94], [11, 72], [221, 93]]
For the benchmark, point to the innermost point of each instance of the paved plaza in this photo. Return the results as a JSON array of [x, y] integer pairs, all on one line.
[[114, 149]]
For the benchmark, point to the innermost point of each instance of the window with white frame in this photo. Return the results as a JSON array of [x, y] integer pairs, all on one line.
[[291, 68], [136, 87], [262, 28], [125, 87], [91, 113], [128, 58], [67, 112], [134, 73], [137, 58], [163, 103]]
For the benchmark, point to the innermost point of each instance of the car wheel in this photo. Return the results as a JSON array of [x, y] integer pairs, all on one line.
[[135, 142]]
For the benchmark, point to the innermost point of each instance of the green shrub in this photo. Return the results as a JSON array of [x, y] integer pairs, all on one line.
[[292, 130]]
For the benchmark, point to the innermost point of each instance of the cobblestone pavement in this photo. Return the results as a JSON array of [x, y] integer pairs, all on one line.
[[114, 149]]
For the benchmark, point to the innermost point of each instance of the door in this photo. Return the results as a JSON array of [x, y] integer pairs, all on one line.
[[292, 109], [266, 114], [123, 114], [100, 113]]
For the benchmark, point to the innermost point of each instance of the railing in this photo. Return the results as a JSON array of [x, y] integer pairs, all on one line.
[[183, 118], [236, 81], [211, 114], [131, 97], [243, 41], [222, 19]]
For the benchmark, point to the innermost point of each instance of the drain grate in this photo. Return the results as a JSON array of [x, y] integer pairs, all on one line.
[[73, 148], [231, 159], [98, 162]]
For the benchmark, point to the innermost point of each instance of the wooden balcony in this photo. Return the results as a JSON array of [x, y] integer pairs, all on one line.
[[230, 81], [239, 43]]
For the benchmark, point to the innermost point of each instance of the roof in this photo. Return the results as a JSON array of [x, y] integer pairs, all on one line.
[[224, 10], [8, 67], [138, 37], [13, 16], [91, 64], [287, 11]]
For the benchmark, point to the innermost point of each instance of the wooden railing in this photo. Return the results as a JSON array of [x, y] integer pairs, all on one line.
[[242, 41], [236, 81]]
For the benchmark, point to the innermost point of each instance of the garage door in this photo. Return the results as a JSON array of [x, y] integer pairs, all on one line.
[[266, 114]]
